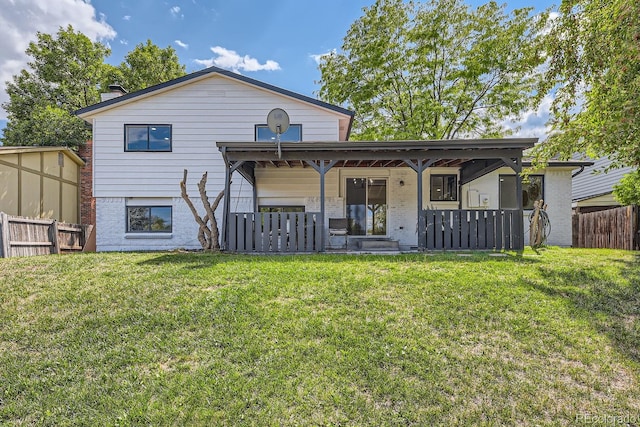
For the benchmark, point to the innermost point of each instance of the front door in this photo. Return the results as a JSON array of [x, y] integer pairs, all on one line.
[[367, 206]]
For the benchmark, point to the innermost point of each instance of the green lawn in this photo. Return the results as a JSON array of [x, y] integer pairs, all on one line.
[[200, 339]]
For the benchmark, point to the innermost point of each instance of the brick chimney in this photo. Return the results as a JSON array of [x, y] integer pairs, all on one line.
[[87, 201]]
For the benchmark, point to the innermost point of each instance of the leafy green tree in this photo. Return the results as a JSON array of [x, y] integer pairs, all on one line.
[[594, 73], [627, 191], [48, 126], [65, 74], [147, 65], [68, 72], [435, 70]]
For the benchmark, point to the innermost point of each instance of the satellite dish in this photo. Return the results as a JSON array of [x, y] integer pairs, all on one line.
[[278, 121]]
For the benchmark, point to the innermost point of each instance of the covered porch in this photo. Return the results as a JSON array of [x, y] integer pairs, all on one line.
[[435, 229]]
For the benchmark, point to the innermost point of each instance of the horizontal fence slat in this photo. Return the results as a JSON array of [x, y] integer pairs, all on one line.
[[19, 219], [63, 227], [15, 243]]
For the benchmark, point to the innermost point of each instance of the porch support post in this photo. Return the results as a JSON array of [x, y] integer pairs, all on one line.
[[230, 167], [422, 224], [518, 238], [322, 208], [322, 169], [227, 204], [420, 166], [519, 243]]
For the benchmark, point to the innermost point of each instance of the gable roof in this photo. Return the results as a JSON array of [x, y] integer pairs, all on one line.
[[207, 71]]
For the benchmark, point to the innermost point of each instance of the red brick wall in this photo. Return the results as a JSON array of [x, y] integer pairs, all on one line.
[[87, 201]]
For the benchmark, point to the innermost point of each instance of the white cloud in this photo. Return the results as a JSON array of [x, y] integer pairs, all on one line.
[[20, 22], [126, 18], [318, 57], [551, 21], [175, 11], [124, 42], [532, 123], [181, 44], [230, 60]]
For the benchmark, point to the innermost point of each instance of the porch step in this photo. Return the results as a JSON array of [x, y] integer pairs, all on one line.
[[379, 245]]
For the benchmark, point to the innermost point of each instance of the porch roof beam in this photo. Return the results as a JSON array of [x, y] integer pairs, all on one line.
[[514, 163], [473, 170], [448, 144], [246, 169], [421, 165], [373, 155]]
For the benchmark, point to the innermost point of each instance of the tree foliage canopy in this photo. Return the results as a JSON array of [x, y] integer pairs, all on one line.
[[147, 65], [594, 70], [627, 191], [435, 70], [68, 72]]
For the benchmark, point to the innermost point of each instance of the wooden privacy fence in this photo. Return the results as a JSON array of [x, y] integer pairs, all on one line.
[[473, 229], [616, 228], [21, 236], [274, 232]]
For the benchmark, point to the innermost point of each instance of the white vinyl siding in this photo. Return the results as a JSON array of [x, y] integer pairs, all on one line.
[[201, 113]]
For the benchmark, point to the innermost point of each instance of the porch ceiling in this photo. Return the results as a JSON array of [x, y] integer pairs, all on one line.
[[373, 153]]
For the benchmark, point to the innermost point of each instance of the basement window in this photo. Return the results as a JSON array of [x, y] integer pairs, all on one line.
[[149, 219]]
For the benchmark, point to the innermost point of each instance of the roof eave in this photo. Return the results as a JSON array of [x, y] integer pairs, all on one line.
[[561, 163]]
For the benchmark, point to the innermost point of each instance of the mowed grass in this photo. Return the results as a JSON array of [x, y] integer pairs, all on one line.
[[547, 338]]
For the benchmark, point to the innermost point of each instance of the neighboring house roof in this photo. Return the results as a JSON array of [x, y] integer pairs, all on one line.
[[202, 73], [590, 184], [560, 163], [36, 149]]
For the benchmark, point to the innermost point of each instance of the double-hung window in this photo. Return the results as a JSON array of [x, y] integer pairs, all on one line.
[[147, 137]]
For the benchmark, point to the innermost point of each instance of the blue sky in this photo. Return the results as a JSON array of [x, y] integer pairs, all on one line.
[[274, 41]]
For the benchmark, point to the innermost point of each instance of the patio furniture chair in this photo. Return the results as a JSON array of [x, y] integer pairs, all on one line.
[[338, 228]]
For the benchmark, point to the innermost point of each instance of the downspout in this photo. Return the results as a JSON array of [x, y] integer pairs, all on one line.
[[459, 194], [520, 218], [255, 197], [573, 175]]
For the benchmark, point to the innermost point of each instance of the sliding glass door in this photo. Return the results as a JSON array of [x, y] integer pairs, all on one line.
[[367, 206]]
